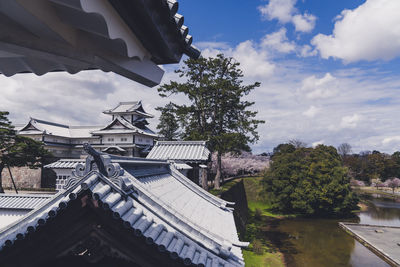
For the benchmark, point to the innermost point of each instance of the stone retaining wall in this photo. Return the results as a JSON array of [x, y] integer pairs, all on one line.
[[237, 194], [24, 177]]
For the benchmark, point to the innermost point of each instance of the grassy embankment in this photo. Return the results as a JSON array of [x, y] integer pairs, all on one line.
[[260, 251], [368, 190]]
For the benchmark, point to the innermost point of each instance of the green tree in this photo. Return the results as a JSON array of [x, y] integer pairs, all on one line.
[[18, 151], [310, 181], [216, 111], [168, 125]]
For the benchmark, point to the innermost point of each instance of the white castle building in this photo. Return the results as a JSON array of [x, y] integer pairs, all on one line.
[[127, 134]]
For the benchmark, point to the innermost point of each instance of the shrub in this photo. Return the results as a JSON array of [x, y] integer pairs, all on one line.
[[309, 181], [257, 247], [257, 214]]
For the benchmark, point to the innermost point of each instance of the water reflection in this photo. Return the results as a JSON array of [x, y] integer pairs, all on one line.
[[382, 212], [317, 242]]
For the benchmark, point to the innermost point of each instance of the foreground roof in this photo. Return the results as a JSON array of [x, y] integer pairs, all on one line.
[[180, 150], [130, 38], [155, 201]]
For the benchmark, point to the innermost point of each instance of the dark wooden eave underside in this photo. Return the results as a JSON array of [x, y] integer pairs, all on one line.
[[155, 28], [63, 240]]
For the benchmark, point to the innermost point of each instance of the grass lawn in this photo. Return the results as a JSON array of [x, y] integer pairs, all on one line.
[[267, 259], [224, 187]]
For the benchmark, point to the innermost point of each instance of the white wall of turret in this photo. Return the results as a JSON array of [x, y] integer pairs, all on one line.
[[143, 140], [117, 139]]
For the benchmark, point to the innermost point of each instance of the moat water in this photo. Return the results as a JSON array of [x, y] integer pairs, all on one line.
[[320, 242]]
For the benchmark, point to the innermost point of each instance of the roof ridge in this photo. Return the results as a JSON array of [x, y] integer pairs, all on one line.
[[27, 195], [83, 126], [183, 142], [50, 123]]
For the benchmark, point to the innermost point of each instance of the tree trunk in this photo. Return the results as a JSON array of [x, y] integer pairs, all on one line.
[[219, 171], [1, 178], [12, 179], [204, 182]]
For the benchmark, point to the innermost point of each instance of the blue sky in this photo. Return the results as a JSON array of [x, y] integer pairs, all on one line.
[[329, 71]]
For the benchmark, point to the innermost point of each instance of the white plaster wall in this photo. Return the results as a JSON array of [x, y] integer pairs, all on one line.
[[117, 138], [62, 176], [142, 140]]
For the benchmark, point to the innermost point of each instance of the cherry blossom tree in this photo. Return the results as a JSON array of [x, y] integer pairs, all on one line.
[[242, 164], [394, 183]]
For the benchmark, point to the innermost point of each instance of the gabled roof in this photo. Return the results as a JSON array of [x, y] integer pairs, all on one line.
[[37, 126], [154, 200], [180, 150], [121, 125], [130, 38], [132, 107]]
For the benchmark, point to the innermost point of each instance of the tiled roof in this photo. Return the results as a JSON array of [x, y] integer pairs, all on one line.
[[180, 150], [154, 200], [125, 106], [65, 164], [129, 128], [182, 166], [21, 201], [129, 107], [57, 129]]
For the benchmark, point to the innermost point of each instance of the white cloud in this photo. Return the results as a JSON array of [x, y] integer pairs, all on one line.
[[314, 88], [254, 61], [281, 10], [320, 142], [369, 32], [307, 51], [278, 41], [304, 23], [350, 121], [311, 112], [284, 11], [391, 140]]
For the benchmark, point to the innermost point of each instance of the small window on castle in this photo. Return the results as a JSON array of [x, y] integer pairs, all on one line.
[[110, 139], [124, 139]]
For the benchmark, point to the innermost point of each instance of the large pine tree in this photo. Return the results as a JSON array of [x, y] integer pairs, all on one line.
[[169, 125], [216, 110]]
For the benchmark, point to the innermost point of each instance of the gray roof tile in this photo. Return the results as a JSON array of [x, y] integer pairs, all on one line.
[[21, 201], [180, 150]]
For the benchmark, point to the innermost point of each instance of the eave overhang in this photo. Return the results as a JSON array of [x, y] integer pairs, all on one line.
[[74, 35]]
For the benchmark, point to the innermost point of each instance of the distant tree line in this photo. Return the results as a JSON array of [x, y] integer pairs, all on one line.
[[367, 166]]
